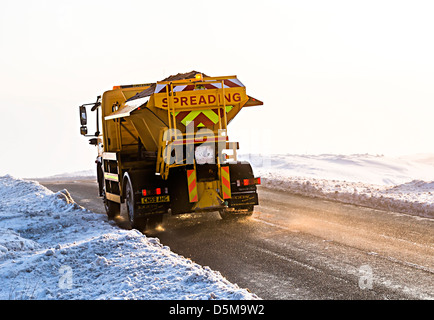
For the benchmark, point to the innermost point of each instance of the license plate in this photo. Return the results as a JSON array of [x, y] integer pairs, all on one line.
[[156, 199], [244, 199]]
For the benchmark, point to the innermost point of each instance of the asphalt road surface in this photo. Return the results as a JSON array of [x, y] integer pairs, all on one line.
[[296, 247]]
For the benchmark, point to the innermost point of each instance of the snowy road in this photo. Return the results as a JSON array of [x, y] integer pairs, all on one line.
[[296, 247]]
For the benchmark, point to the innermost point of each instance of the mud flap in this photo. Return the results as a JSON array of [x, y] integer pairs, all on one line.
[[241, 195], [243, 200]]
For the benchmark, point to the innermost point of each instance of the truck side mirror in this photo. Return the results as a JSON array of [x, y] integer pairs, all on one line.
[[83, 116], [83, 130], [93, 141]]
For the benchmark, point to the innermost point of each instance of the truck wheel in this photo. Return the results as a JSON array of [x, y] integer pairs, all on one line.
[[113, 209], [136, 223], [236, 214]]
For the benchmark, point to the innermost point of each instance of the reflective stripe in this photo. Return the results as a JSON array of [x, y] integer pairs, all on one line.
[[226, 182], [192, 185], [200, 140], [190, 116], [210, 114], [111, 176], [201, 117]]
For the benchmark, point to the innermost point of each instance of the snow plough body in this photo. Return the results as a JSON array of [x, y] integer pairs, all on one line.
[[164, 148]]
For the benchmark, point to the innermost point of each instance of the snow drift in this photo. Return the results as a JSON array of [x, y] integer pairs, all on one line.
[[404, 184], [51, 248]]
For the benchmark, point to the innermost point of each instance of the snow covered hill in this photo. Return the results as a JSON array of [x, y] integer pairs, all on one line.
[[51, 248], [404, 184]]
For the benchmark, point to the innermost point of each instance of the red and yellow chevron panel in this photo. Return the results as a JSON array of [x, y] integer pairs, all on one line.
[[192, 185], [226, 182], [228, 83], [201, 118]]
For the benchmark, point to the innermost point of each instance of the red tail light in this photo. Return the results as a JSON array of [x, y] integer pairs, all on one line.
[[248, 182], [153, 192]]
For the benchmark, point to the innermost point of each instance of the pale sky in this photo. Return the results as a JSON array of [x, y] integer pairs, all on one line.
[[335, 76]]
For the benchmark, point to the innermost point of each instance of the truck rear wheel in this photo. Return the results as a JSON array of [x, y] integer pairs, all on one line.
[[136, 222], [113, 209], [236, 214], [139, 220]]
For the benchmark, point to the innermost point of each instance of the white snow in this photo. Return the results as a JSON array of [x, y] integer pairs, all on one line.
[[85, 174], [51, 248], [401, 184]]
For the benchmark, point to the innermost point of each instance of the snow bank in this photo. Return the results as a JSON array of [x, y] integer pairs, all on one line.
[[51, 248], [84, 174], [404, 184]]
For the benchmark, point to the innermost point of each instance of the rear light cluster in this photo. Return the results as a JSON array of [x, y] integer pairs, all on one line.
[[248, 182], [155, 192]]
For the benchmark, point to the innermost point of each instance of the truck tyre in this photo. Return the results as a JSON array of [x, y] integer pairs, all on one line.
[[136, 222], [113, 209], [236, 214]]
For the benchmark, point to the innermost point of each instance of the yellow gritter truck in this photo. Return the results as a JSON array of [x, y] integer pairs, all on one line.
[[164, 148]]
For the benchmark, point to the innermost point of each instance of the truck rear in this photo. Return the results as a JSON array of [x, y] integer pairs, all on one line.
[[164, 148]]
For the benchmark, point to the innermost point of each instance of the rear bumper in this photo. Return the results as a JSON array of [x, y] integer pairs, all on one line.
[[151, 209], [243, 199], [238, 200]]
